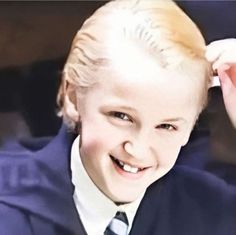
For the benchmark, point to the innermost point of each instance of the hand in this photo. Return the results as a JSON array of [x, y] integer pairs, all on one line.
[[222, 55]]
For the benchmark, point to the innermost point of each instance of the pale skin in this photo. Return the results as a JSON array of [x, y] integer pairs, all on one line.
[[222, 55], [134, 122]]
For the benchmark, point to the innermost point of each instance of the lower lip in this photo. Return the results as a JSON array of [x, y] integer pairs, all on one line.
[[128, 175]]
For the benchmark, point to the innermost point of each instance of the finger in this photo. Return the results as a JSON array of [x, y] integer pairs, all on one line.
[[231, 73], [226, 83], [215, 49], [212, 53], [229, 94], [228, 70], [226, 57]]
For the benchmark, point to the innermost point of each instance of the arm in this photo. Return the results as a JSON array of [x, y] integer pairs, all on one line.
[[222, 55], [13, 221]]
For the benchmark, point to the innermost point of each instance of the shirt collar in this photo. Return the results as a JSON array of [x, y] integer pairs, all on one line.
[[95, 209]]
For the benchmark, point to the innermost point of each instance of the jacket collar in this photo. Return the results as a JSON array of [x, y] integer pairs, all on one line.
[[39, 182]]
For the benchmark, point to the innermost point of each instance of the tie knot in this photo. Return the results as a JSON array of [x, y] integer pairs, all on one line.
[[118, 225], [122, 217]]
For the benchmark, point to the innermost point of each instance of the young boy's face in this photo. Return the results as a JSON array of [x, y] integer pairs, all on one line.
[[134, 122]]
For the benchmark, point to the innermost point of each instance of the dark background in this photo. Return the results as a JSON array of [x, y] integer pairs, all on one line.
[[35, 39]]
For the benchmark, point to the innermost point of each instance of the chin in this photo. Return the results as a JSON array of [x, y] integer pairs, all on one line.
[[124, 197]]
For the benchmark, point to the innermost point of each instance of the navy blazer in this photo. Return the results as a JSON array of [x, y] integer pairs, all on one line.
[[36, 196]]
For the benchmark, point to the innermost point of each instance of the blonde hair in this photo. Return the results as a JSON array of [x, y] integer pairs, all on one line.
[[159, 26]]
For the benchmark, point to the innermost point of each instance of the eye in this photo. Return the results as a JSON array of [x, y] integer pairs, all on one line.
[[167, 127], [120, 115]]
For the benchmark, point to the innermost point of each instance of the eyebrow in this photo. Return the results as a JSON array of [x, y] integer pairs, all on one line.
[[178, 119], [121, 107]]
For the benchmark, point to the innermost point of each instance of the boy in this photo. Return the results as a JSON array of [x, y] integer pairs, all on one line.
[[133, 86]]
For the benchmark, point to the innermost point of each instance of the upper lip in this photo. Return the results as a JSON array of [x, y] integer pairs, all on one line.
[[131, 164]]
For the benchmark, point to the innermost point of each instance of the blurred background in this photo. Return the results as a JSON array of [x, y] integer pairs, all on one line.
[[34, 42], [35, 39]]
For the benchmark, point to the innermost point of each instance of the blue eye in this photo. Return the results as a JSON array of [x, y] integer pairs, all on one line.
[[167, 127], [120, 115]]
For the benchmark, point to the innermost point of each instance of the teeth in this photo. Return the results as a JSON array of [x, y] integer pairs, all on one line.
[[121, 163], [130, 169], [126, 167], [134, 169]]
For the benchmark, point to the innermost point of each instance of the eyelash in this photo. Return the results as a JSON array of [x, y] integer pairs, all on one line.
[[120, 115], [167, 127], [124, 117]]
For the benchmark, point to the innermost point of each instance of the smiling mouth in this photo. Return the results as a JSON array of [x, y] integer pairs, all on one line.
[[126, 167]]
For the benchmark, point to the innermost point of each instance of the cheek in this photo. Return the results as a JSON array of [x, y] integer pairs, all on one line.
[[90, 146], [97, 138], [169, 155]]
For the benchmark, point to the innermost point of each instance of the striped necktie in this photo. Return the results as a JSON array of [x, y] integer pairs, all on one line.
[[118, 225]]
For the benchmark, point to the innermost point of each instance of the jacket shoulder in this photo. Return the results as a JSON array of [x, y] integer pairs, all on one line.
[[187, 201]]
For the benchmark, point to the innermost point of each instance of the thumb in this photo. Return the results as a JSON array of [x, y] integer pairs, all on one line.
[[225, 79], [227, 76]]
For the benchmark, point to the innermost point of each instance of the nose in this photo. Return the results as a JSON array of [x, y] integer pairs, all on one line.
[[138, 147]]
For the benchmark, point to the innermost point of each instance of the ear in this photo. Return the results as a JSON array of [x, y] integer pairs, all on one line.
[[70, 103]]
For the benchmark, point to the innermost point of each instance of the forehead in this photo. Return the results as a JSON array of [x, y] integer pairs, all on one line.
[[137, 67], [137, 78], [147, 82], [131, 60]]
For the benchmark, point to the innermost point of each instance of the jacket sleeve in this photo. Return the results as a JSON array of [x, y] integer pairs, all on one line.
[[13, 221]]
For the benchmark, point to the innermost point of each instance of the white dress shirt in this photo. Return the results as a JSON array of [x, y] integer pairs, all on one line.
[[95, 209]]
